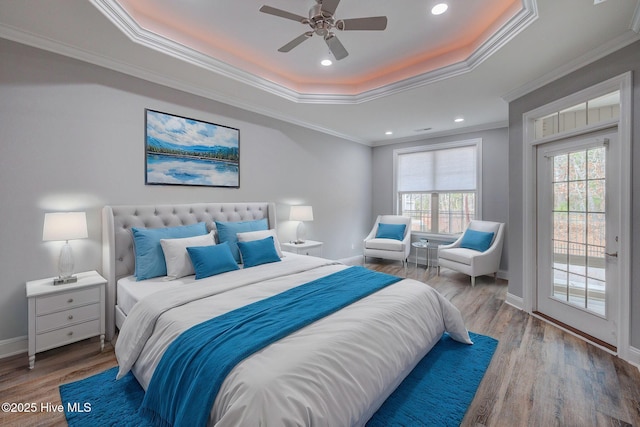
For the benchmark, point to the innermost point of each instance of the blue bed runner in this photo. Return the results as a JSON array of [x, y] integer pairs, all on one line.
[[190, 373]]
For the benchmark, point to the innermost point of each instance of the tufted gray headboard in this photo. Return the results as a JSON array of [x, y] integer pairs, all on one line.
[[118, 259]]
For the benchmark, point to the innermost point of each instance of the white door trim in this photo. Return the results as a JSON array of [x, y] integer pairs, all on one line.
[[622, 83]]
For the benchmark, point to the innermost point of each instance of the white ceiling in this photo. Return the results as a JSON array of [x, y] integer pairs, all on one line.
[[245, 38], [423, 71]]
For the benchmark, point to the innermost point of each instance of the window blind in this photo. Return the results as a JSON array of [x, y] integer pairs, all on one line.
[[450, 169]]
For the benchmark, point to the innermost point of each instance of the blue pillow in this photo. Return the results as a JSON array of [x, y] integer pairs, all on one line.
[[391, 231], [476, 240], [148, 251], [211, 260], [227, 232], [258, 252]]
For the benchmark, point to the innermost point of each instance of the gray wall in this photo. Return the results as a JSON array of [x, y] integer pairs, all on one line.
[[72, 138], [495, 188], [622, 61]]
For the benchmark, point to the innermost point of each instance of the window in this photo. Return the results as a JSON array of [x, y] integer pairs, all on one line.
[[596, 110], [438, 186]]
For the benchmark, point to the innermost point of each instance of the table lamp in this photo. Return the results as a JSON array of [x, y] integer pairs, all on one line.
[[301, 213], [65, 226]]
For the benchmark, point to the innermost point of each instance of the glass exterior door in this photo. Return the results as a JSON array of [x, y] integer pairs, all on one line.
[[577, 235]]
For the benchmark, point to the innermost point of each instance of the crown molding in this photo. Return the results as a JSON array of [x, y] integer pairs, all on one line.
[[53, 46], [527, 15], [125, 23], [578, 63], [593, 55]]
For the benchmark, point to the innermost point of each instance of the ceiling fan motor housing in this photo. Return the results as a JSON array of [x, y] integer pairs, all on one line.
[[321, 22]]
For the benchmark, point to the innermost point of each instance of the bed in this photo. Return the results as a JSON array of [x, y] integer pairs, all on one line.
[[337, 370]]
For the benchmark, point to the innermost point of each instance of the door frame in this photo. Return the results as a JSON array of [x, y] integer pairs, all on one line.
[[529, 241]]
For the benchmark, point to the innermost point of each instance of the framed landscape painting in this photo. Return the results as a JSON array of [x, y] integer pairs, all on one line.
[[182, 151]]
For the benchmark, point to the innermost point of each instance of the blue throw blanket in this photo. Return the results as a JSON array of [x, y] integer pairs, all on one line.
[[190, 373]]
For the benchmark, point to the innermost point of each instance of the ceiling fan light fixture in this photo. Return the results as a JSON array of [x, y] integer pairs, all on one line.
[[439, 9]]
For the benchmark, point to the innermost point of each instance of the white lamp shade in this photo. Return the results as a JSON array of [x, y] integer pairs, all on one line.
[[65, 226], [301, 213]]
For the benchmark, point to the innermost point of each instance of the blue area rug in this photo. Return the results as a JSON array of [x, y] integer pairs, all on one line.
[[436, 393], [441, 387]]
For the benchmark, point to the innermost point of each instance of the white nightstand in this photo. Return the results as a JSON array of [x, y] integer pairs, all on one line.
[[62, 314], [308, 247]]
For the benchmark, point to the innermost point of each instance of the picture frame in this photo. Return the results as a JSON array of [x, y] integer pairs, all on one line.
[[184, 151]]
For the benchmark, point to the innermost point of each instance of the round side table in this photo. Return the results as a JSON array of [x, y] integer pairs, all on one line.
[[430, 252], [422, 244]]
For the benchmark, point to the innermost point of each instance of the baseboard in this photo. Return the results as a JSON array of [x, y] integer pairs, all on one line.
[[515, 301], [13, 346], [634, 357]]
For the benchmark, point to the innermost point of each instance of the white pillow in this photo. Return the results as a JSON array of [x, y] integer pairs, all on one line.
[[176, 256], [259, 235]]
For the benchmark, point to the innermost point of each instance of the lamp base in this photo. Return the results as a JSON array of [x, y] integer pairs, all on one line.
[[301, 233], [64, 280], [65, 263]]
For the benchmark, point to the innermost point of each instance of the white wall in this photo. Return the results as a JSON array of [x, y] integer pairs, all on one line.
[[495, 187], [72, 138]]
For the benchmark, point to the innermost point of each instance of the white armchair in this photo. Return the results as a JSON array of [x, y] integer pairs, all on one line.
[[472, 262], [389, 248]]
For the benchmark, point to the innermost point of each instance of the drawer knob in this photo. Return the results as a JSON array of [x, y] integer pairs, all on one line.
[[70, 317], [70, 300], [70, 333]]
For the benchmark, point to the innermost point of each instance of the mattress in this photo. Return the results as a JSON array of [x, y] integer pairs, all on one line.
[[130, 291]]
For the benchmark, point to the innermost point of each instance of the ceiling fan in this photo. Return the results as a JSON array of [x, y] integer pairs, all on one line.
[[322, 21]]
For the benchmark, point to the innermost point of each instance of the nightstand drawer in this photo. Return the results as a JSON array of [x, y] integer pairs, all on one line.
[[66, 300], [317, 251], [67, 335], [65, 318]]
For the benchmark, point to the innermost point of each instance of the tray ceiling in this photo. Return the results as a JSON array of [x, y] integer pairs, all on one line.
[[416, 45]]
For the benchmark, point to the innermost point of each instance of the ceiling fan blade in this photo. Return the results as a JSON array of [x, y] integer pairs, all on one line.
[[282, 13], [295, 42], [336, 48], [373, 23], [330, 6]]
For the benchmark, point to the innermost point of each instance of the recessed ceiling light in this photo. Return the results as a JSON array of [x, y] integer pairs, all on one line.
[[439, 9], [388, 132], [326, 62], [459, 120]]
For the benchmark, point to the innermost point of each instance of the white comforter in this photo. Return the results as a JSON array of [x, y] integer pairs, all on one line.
[[334, 372]]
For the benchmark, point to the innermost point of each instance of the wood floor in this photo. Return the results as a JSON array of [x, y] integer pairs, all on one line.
[[539, 375]]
